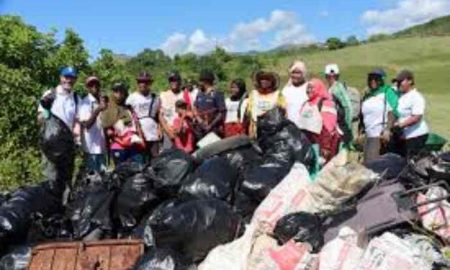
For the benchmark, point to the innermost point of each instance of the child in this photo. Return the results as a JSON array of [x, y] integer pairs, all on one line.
[[125, 138], [236, 106], [184, 135]]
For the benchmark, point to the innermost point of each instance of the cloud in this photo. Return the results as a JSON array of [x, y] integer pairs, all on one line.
[[324, 14], [174, 44], [406, 13], [281, 27]]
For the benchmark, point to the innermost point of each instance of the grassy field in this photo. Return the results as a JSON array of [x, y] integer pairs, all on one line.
[[428, 57]]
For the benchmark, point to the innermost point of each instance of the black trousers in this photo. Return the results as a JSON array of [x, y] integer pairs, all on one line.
[[414, 146]]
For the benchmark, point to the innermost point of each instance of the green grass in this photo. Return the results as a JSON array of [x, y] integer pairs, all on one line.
[[428, 57]]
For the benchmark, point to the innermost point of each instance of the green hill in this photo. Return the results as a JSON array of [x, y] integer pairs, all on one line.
[[428, 57], [436, 27]]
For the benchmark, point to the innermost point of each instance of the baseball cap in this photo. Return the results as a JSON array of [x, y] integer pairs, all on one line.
[[68, 72], [331, 69], [404, 74]]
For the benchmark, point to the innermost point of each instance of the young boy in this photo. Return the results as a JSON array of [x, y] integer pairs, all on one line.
[[184, 135]]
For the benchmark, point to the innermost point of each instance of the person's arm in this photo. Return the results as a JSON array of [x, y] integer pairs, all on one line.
[[165, 126], [346, 102], [221, 111], [410, 121]]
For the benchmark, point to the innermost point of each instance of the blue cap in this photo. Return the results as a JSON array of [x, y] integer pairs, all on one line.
[[378, 72], [69, 72]]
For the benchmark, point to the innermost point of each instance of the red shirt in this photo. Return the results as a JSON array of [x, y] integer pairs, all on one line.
[[185, 140]]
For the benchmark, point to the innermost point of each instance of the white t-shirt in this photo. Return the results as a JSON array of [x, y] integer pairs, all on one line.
[[193, 95], [372, 110], [409, 104], [64, 106], [168, 100], [93, 139], [232, 110], [295, 98], [141, 107]]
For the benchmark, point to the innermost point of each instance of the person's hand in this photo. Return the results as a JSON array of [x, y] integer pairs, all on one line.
[[102, 105]]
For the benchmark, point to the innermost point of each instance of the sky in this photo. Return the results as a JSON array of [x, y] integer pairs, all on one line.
[[198, 26]]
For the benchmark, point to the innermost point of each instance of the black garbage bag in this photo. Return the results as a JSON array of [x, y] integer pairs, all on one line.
[[244, 206], [91, 210], [243, 157], [57, 144], [301, 227], [389, 165], [16, 213], [214, 179], [171, 169], [135, 199], [17, 259], [160, 259], [123, 172], [54, 227], [191, 228], [260, 179]]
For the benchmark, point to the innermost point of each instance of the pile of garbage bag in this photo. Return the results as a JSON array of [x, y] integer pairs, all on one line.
[[241, 204]]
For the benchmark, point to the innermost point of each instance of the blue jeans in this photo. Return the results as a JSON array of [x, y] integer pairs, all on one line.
[[95, 162], [120, 156]]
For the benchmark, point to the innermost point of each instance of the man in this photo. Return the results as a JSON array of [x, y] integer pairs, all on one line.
[[342, 101], [190, 91], [93, 137], [146, 106], [209, 106], [294, 92], [63, 103], [168, 109]]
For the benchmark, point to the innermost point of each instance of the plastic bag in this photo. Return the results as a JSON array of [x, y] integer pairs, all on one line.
[[435, 216], [16, 213], [233, 255], [214, 179], [17, 259], [58, 145], [171, 169], [160, 259], [389, 252], [341, 253], [192, 228], [300, 227], [135, 199], [55, 227], [91, 210], [283, 199], [389, 165], [267, 255]]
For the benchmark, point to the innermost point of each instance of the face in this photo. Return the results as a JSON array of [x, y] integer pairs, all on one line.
[[404, 85], [266, 84], [297, 77], [119, 95], [234, 89], [180, 111], [330, 78], [67, 82], [373, 82], [144, 86], [174, 84], [94, 88], [202, 85]]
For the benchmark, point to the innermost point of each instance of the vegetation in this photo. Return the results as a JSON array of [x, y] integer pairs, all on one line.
[[30, 61], [436, 27]]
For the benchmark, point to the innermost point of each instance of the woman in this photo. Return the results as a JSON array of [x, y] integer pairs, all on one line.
[[236, 105], [378, 112], [318, 118], [411, 109], [264, 98], [125, 138]]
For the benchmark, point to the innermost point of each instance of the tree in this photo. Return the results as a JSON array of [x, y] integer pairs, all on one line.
[[335, 43], [110, 70], [352, 41]]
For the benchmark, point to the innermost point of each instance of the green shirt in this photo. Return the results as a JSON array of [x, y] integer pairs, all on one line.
[[340, 93]]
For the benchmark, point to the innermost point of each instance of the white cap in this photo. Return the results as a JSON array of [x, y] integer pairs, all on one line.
[[331, 69]]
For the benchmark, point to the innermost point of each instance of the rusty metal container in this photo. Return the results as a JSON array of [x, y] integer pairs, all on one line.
[[97, 255]]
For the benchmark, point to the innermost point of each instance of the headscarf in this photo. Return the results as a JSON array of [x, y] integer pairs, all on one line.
[[115, 111], [298, 65], [328, 110]]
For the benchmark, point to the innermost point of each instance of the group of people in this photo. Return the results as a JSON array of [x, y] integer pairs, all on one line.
[[138, 126]]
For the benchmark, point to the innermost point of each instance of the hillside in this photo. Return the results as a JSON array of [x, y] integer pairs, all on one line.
[[428, 57], [436, 27]]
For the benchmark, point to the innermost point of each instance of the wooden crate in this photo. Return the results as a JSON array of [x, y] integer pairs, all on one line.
[[98, 255]]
